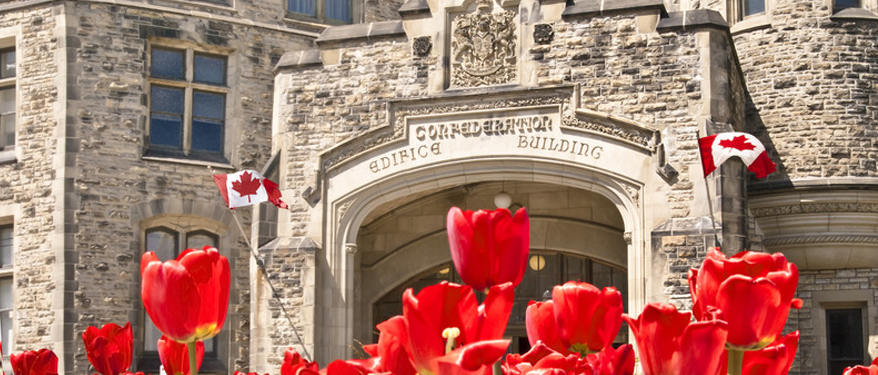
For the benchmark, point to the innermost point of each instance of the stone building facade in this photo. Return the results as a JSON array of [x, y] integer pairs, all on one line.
[[585, 112]]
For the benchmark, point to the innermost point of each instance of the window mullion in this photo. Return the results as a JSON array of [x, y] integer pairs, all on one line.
[[187, 121]]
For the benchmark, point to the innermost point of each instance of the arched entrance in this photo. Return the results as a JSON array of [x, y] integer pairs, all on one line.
[[575, 235]]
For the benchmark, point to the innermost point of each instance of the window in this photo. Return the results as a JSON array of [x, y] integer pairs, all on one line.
[[330, 11], [167, 244], [7, 99], [187, 104], [6, 262], [844, 4], [844, 336], [751, 7]]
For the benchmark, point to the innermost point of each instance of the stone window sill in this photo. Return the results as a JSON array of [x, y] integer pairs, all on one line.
[[751, 23], [8, 157], [218, 162]]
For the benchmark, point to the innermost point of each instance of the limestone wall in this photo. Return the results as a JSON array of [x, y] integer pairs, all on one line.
[[31, 189], [814, 94]]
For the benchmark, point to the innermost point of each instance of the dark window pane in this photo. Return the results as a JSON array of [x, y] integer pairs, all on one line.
[[210, 69], [207, 136], [302, 6], [7, 64], [6, 257], [167, 64], [7, 117], [208, 105], [208, 112], [844, 334], [751, 7], [166, 99], [338, 10], [199, 240], [840, 4], [166, 130]]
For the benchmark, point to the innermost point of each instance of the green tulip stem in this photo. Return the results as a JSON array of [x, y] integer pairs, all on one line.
[[193, 357], [497, 368], [736, 362]]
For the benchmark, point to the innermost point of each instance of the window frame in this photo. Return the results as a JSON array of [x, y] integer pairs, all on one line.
[[740, 22], [214, 362], [858, 309], [355, 10], [8, 272], [189, 87], [8, 151], [838, 299]]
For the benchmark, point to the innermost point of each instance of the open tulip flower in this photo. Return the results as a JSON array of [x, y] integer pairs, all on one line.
[[751, 291], [588, 318], [446, 316], [186, 298], [473, 359], [175, 356], [40, 362], [109, 349], [489, 247], [294, 364], [390, 355], [668, 344]]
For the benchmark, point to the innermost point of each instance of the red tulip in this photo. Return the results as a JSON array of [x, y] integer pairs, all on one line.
[[542, 360], [489, 247], [247, 373], [390, 353], [293, 363], [751, 291], [442, 308], [668, 344], [473, 359], [186, 298], [861, 370], [109, 349], [588, 318], [541, 327], [41, 362], [175, 355], [610, 361], [774, 359]]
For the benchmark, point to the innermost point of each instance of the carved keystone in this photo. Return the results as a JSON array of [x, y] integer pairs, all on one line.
[[543, 33]]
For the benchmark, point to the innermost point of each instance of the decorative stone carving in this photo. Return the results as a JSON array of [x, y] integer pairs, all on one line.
[[821, 238], [633, 193], [543, 33], [342, 209], [422, 45], [814, 208], [483, 48], [627, 237], [351, 248]]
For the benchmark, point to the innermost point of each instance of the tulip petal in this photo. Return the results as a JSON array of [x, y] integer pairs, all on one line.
[[776, 358], [541, 326], [168, 290], [494, 313], [701, 348], [753, 311]]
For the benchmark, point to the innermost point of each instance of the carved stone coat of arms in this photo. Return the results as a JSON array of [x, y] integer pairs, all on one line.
[[483, 49]]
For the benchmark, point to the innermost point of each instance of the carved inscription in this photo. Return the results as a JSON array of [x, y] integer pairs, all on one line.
[[483, 48], [520, 133]]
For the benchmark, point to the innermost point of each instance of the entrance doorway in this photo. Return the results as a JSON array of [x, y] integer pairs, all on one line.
[[575, 235]]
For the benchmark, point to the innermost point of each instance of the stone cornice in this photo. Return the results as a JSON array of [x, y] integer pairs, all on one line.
[[811, 208], [165, 9]]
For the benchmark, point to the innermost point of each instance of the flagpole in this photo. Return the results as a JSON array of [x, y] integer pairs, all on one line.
[[261, 265], [718, 231]]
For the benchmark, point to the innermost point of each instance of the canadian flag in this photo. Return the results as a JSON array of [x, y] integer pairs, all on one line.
[[718, 148], [247, 188]]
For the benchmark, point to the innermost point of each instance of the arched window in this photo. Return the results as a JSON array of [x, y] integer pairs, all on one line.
[[167, 244], [545, 270]]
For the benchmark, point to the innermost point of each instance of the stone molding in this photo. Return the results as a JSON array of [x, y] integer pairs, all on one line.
[[368, 31], [805, 239], [810, 208], [692, 20]]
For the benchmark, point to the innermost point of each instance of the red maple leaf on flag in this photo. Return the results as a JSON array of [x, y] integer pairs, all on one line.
[[247, 186], [739, 143]]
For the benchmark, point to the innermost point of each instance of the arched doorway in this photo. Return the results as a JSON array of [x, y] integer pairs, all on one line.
[[575, 235]]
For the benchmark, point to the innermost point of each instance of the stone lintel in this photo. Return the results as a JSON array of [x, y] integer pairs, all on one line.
[[693, 19], [298, 59], [414, 8], [601, 7], [288, 245], [685, 226], [374, 30]]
